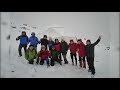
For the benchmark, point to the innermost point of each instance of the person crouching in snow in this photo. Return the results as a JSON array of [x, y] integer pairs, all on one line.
[[73, 50], [89, 49], [31, 54], [54, 56], [43, 55], [81, 53]]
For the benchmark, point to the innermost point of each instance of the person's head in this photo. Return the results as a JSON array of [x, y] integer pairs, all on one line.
[[88, 42], [53, 47], [62, 40], [31, 47], [43, 48], [45, 36], [79, 41], [56, 40], [33, 34], [71, 41], [23, 33], [50, 38]]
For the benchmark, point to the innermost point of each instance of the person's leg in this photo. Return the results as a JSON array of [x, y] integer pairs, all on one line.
[[88, 62], [84, 62], [72, 58], [65, 59], [80, 61], [25, 48], [60, 58], [92, 65], [75, 58], [47, 61], [41, 62], [37, 60], [52, 62], [19, 49]]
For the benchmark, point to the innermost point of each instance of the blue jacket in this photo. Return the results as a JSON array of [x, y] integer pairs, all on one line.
[[50, 43], [23, 39], [33, 40]]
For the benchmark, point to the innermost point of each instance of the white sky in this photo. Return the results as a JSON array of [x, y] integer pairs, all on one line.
[[80, 24]]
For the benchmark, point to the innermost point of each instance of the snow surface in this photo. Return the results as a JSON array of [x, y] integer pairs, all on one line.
[[13, 66]]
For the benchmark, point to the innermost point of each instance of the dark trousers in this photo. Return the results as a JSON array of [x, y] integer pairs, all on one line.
[[73, 54], [60, 58], [65, 59], [90, 61], [20, 47], [55, 59], [42, 61]]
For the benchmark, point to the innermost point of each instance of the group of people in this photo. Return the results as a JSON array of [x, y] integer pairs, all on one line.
[[52, 51]]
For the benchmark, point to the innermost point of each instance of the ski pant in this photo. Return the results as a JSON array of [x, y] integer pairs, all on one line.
[[60, 55], [90, 61], [64, 56], [20, 48], [73, 54], [55, 59], [42, 61]]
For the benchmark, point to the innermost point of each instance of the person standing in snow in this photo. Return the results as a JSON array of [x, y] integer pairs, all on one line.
[[81, 53], [44, 41], [89, 49], [31, 54], [23, 42], [50, 43], [33, 40], [64, 48], [73, 50], [43, 55], [57, 47], [54, 56]]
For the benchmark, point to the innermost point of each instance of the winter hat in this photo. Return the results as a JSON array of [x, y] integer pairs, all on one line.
[[56, 39], [88, 40], [33, 33], [71, 40], [79, 40], [45, 36]]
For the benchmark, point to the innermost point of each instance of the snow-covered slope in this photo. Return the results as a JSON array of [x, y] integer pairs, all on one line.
[[18, 67]]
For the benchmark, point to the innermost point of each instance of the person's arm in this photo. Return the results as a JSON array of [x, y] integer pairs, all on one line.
[[17, 38], [37, 40], [95, 43]]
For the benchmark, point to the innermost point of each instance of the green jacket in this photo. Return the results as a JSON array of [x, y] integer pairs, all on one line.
[[29, 55], [54, 54]]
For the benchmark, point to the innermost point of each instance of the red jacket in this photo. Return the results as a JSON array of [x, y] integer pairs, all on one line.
[[57, 46], [81, 49], [73, 48], [43, 54]]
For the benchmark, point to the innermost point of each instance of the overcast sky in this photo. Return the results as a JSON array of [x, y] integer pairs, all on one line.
[[81, 24]]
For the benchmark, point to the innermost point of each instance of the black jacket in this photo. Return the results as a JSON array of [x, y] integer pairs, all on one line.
[[89, 49], [44, 42], [64, 47]]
